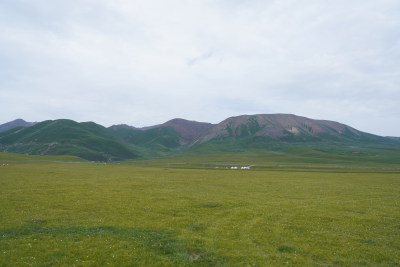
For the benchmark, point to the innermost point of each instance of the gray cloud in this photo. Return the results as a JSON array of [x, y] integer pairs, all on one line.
[[192, 61], [146, 62]]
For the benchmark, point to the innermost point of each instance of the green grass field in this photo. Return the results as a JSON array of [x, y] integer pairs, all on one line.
[[87, 214]]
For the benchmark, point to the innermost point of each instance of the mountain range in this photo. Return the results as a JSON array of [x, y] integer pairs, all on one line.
[[261, 132]]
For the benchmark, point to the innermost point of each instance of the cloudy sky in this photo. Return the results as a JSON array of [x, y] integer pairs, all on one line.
[[145, 62]]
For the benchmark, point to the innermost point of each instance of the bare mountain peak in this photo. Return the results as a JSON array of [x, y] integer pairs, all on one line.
[[188, 129], [278, 127], [15, 123]]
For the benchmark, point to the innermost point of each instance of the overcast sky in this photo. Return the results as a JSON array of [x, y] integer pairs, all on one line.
[[146, 62]]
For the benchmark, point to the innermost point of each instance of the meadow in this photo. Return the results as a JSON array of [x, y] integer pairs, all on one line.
[[91, 214]]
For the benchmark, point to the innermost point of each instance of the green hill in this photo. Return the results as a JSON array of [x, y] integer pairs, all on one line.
[[162, 140], [87, 140], [154, 142], [261, 139]]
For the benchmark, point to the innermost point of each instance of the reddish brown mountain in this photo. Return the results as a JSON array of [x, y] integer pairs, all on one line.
[[284, 127], [15, 123], [189, 130]]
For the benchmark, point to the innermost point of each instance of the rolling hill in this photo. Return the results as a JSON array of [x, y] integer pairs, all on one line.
[[394, 138], [153, 142], [259, 138], [87, 140], [163, 139]]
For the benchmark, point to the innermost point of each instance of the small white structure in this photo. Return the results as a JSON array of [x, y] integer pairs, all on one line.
[[245, 168], [234, 168]]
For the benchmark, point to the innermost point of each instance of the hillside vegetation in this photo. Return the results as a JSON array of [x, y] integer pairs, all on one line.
[[65, 137], [155, 142], [259, 138], [284, 128]]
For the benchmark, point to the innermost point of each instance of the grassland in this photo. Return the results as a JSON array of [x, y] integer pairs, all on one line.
[[303, 153], [15, 157], [128, 215]]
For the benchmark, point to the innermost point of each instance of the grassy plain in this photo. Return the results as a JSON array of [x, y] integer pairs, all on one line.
[[6, 158], [334, 154], [127, 215]]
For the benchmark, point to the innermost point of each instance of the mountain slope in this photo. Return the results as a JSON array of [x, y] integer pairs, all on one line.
[[162, 139], [283, 128], [153, 141], [66, 137], [15, 123], [286, 138], [276, 137], [188, 130]]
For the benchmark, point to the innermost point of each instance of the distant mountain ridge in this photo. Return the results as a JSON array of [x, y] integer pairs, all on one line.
[[282, 127], [159, 140], [188, 130], [15, 123], [241, 133]]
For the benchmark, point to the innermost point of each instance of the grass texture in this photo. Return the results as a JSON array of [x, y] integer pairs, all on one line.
[[86, 214]]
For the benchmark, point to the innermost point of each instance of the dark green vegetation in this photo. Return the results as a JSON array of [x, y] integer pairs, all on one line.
[[6, 158], [255, 138], [65, 137], [156, 142], [91, 141], [394, 138], [141, 215]]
